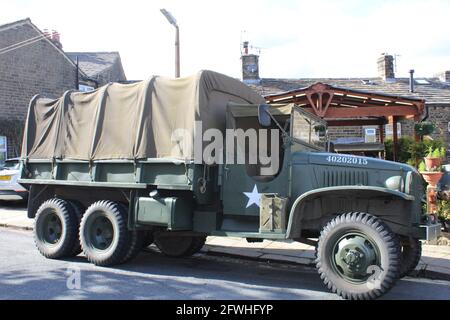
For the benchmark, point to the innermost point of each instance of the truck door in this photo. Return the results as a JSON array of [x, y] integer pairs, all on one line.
[[243, 184]]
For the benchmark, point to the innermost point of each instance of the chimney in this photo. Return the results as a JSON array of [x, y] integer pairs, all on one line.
[[250, 65], [444, 76], [56, 39], [47, 34], [411, 80], [386, 67]]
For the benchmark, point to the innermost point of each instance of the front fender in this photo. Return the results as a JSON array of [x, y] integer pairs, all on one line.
[[364, 192]]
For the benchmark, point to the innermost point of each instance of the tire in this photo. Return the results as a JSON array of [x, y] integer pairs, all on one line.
[[148, 239], [79, 210], [358, 256], [410, 255], [178, 246], [56, 229], [197, 244], [134, 246], [135, 243], [104, 236]]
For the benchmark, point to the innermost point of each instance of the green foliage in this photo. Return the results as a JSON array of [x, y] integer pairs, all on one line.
[[443, 210], [442, 152], [422, 166], [424, 128], [411, 152], [436, 153]]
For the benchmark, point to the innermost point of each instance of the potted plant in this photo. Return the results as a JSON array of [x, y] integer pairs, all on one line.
[[433, 158], [432, 175], [424, 128]]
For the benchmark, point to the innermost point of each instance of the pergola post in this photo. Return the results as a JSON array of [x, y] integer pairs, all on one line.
[[395, 139]]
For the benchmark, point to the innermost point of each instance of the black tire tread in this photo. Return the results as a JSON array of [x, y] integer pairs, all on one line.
[[388, 237], [69, 222], [123, 243], [410, 256]]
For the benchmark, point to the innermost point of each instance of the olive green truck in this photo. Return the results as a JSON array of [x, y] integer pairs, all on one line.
[[169, 162]]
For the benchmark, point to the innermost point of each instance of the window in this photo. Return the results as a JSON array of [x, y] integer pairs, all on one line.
[[370, 135], [308, 129], [2, 149], [389, 133]]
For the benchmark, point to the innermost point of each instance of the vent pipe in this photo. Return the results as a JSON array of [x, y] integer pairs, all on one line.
[[411, 80]]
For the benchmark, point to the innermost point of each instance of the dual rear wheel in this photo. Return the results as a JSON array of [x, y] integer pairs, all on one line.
[[62, 230]]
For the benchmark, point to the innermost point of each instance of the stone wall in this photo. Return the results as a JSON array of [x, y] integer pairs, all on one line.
[[38, 68]]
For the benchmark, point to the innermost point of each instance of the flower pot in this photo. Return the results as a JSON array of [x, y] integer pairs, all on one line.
[[432, 178], [432, 162]]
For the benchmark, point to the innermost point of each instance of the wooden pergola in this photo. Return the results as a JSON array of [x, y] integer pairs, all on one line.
[[348, 107]]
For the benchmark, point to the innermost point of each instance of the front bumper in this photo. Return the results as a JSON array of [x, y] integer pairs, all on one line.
[[12, 195], [430, 232]]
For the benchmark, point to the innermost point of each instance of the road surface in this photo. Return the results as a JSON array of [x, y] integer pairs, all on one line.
[[25, 274]]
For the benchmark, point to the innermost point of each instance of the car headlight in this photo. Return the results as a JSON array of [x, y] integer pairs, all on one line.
[[395, 183]]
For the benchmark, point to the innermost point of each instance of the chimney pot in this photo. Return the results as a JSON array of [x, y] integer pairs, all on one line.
[[411, 80], [250, 66], [386, 67], [56, 39], [444, 76]]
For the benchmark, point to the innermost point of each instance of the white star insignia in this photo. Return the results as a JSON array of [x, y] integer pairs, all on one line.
[[253, 197]]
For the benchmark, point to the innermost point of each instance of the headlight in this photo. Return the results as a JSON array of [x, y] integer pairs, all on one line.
[[395, 183]]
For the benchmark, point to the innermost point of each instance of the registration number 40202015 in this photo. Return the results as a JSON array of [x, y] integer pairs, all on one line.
[[349, 160]]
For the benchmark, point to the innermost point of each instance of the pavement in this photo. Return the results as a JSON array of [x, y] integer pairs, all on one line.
[[434, 264], [25, 274]]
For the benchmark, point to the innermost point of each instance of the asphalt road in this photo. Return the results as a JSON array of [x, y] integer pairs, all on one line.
[[25, 274]]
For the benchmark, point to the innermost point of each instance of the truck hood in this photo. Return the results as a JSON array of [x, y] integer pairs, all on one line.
[[349, 161]]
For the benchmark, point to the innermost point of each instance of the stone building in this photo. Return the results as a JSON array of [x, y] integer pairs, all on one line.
[[435, 91], [100, 67], [33, 62]]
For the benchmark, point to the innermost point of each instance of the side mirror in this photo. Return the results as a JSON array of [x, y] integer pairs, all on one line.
[[263, 115]]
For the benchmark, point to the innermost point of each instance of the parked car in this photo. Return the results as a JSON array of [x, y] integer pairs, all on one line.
[[10, 189]]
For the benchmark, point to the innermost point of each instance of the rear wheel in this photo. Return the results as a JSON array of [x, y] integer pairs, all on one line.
[[104, 236], [358, 257], [78, 210], [410, 256], [197, 244], [56, 229], [148, 239], [178, 246]]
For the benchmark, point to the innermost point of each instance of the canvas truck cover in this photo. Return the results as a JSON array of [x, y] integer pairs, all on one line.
[[131, 121]]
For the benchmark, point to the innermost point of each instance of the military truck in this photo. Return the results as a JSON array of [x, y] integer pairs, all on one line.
[[111, 171]]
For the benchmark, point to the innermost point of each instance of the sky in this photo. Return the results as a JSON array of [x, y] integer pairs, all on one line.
[[295, 38]]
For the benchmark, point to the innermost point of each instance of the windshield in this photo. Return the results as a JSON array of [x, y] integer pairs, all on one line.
[[11, 165], [309, 130]]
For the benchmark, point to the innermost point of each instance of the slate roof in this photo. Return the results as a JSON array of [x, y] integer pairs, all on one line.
[[17, 24], [434, 92], [95, 63]]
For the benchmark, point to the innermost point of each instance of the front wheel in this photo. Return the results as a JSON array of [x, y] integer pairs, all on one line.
[[410, 257], [358, 256]]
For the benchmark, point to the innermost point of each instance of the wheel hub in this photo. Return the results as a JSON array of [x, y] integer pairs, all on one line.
[[52, 228], [101, 233], [353, 254]]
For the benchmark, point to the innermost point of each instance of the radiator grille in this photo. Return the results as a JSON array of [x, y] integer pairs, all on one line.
[[345, 178]]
